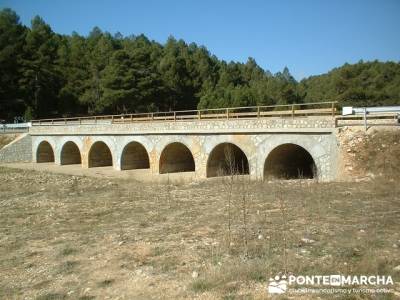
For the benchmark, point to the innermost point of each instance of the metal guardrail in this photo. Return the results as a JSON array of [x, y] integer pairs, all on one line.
[[349, 110], [388, 113], [286, 110], [15, 127], [382, 119]]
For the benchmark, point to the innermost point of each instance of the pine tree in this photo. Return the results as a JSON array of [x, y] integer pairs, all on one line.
[[12, 35], [40, 80]]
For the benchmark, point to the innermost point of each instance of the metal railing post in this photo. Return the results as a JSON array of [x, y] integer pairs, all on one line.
[[293, 111], [227, 113], [258, 112], [365, 118]]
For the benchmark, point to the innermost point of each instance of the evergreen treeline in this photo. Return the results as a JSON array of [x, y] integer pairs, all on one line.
[[45, 74]]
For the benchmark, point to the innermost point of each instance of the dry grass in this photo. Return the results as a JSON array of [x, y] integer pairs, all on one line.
[[68, 237], [6, 139]]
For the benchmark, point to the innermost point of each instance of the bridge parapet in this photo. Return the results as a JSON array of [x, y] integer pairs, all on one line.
[[274, 124]]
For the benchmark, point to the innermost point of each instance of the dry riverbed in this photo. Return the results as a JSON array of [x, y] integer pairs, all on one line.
[[76, 237]]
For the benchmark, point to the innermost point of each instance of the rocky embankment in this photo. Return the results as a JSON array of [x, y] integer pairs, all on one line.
[[367, 154]]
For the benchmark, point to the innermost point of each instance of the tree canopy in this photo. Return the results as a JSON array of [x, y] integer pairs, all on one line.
[[45, 74]]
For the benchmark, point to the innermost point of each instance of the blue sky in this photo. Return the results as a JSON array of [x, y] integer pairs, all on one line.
[[310, 37]]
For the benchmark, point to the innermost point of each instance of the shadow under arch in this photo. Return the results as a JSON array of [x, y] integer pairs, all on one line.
[[70, 154], [100, 155], [134, 156], [44, 152], [227, 159], [289, 161], [176, 157]]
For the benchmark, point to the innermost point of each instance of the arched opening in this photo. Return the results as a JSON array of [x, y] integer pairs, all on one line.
[[99, 155], [134, 156], [44, 153], [176, 157], [227, 159], [70, 154], [289, 161]]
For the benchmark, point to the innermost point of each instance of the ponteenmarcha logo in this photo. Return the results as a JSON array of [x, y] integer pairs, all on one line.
[[280, 284], [277, 285]]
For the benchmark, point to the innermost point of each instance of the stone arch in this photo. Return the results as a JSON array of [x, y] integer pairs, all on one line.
[[70, 154], [44, 152], [176, 157], [99, 155], [289, 161], [134, 156], [317, 145], [227, 159]]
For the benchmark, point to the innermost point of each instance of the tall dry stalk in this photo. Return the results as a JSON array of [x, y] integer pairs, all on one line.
[[284, 226], [244, 192], [244, 215], [169, 196], [229, 183]]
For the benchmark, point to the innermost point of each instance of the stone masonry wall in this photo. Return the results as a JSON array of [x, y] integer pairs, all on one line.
[[187, 127], [256, 146], [19, 150]]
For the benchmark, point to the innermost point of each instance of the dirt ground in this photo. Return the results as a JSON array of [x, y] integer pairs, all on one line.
[[142, 175], [84, 237]]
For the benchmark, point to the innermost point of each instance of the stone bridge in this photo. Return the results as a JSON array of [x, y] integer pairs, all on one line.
[[285, 146]]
